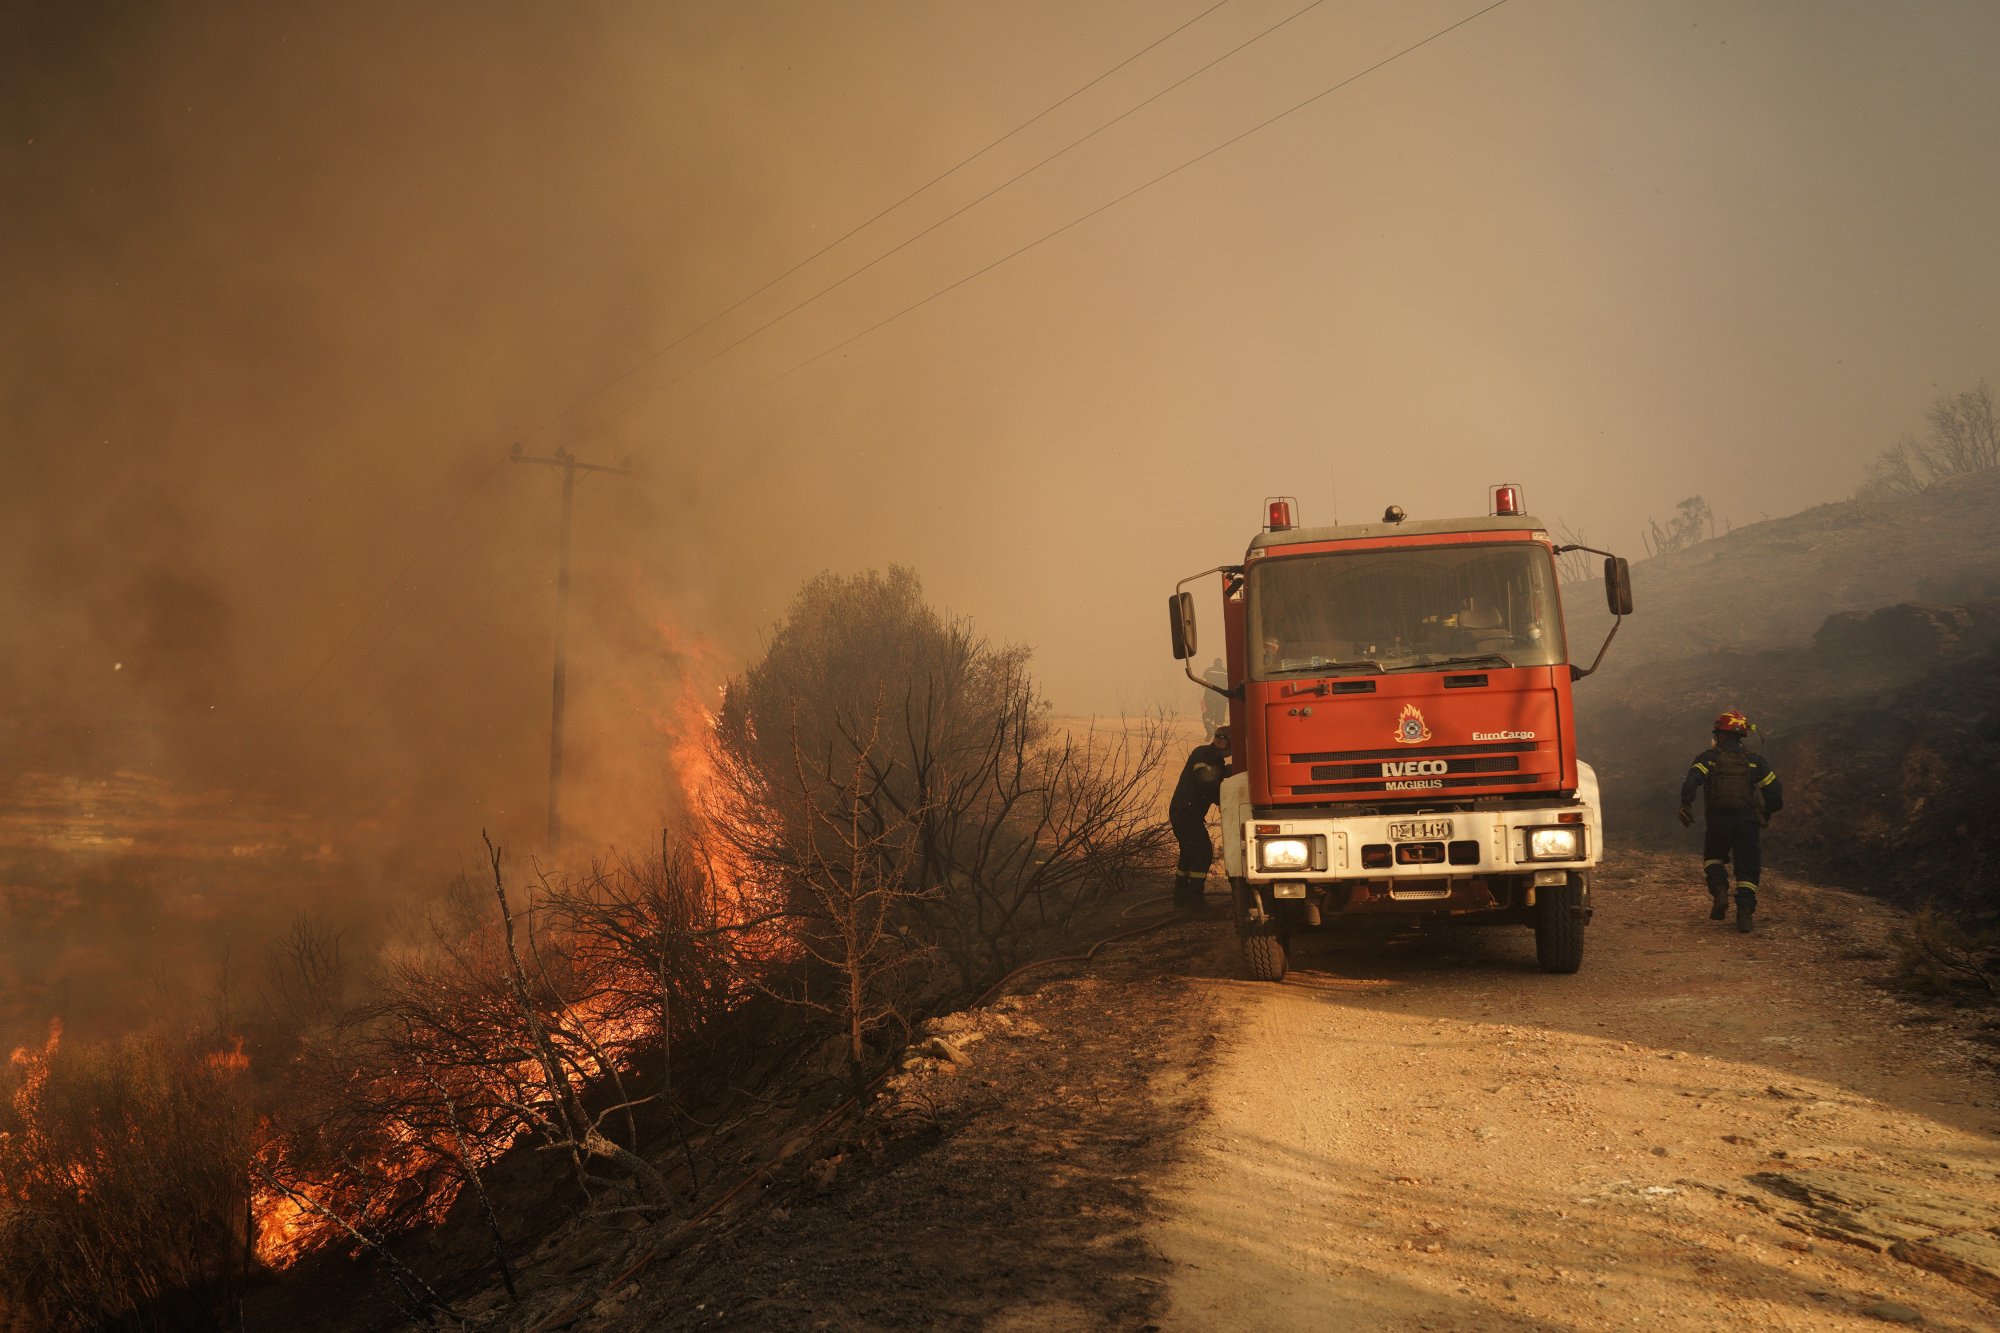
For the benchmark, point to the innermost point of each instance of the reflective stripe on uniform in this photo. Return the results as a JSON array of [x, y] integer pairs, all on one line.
[[1706, 864], [1701, 768], [1750, 884], [1769, 778]]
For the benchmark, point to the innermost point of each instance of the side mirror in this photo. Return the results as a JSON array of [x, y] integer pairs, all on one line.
[[1618, 585], [1180, 613]]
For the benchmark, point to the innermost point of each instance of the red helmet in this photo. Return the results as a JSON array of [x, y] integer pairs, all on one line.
[[1732, 723]]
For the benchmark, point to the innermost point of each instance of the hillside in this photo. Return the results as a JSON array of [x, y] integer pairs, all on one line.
[[1772, 583], [1861, 639]]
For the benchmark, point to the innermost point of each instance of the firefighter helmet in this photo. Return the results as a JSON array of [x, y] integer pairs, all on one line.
[[1732, 723]]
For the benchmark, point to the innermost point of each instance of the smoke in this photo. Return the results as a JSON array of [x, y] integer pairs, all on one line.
[[282, 294], [283, 288], [284, 284]]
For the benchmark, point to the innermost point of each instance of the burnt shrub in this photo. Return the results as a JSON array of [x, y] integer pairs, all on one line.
[[1003, 828], [123, 1190], [1942, 956]]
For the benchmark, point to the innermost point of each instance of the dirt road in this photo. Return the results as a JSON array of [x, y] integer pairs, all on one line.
[[1442, 1137], [1398, 1137]]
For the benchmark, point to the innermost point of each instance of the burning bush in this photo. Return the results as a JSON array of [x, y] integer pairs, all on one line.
[[658, 937], [123, 1189], [547, 1018], [887, 793]]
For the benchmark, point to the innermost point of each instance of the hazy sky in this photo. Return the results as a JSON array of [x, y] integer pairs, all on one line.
[[283, 283]]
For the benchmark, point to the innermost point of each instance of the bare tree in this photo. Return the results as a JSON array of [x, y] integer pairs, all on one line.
[[548, 1019], [1693, 521], [656, 938], [1018, 828], [660, 941], [1572, 566], [1026, 828], [493, 1038], [1961, 439], [1893, 472], [305, 976], [851, 887]]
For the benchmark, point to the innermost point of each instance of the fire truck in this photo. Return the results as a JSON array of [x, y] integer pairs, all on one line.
[[1402, 746]]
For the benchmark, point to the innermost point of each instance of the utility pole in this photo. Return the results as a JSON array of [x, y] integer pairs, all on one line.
[[570, 467]]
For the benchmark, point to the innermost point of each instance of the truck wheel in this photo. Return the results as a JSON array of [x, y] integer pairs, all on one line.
[[1264, 954], [1559, 927]]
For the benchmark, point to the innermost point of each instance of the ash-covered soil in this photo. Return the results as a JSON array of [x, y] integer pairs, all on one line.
[[1001, 1180]]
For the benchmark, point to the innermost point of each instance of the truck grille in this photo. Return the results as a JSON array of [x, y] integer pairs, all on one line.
[[1501, 763], [1415, 771]]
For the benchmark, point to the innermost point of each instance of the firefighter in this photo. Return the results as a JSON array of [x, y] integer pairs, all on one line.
[[1740, 794], [1199, 789]]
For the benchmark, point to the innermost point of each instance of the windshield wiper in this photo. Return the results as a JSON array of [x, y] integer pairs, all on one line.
[[1320, 664], [1469, 660]]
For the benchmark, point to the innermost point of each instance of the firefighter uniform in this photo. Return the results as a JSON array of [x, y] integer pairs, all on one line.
[[1740, 793], [1199, 789]]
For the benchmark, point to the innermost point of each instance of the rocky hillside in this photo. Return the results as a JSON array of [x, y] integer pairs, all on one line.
[[1771, 584], [1862, 639]]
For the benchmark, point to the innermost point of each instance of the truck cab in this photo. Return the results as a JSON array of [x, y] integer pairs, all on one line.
[[1402, 740]]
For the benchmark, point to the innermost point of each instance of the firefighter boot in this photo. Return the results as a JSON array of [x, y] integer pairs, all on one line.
[[1187, 890], [1717, 873], [1746, 907]]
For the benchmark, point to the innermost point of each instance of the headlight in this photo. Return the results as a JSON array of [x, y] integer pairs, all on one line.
[[1555, 844], [1283, 854]]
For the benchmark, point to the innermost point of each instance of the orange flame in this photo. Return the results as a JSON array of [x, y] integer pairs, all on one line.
[[31, 1060], [285, 1230], [670, 770], [232, 1061]]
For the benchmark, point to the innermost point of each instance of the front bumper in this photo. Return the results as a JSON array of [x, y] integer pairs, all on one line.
[[1345, 845], [1462, 842]]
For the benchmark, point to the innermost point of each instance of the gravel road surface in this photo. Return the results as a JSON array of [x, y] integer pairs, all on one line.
[[1435, 1135]]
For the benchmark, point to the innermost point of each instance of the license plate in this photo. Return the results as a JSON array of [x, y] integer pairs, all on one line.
[[1410, 830]]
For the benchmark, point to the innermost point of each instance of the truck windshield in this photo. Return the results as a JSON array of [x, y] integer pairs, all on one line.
[[1404, 609]]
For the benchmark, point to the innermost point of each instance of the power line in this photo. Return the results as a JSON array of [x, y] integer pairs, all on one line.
[[1126, 114], [1292, 110], [847, 235], [438, 532], [960, 282]]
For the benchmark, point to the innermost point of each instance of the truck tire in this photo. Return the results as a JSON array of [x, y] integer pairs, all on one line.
[[1264, 954], [1559, 921]]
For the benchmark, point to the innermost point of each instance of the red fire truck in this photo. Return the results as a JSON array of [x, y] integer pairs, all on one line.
[[1402, 743]]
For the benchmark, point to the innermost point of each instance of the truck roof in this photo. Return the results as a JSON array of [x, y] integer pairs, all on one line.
[[1416, 527]]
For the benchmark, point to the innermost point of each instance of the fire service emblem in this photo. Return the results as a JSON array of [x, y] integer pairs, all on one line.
[[1410, 728]]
